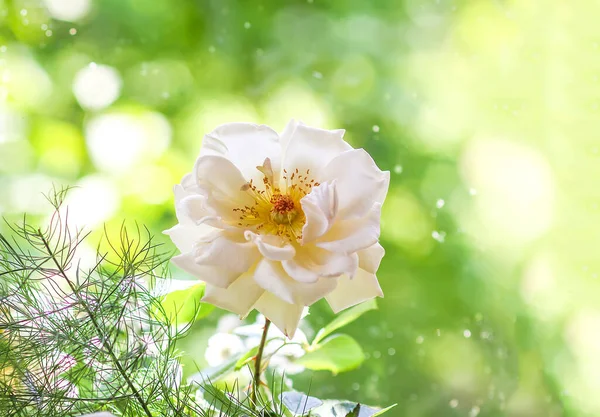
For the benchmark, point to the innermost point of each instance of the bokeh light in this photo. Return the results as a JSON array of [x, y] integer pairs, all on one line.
[[68, 10], [118, 141], [96, 86], [94, 200]]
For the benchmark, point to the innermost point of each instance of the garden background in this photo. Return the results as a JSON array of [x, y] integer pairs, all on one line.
[[485, 112]]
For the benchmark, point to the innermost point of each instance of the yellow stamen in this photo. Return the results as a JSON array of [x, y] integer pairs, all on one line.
[[276, 209]]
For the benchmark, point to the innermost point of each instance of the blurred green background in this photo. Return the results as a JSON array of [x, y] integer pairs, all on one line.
[[485, 112]]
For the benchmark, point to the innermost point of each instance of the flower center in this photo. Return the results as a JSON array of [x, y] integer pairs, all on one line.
[[276, 209], [284, 209]]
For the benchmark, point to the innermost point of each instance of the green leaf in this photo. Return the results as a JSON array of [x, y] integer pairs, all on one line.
[[355, 411], [361, 410], [213, 374], [338, 353], [246, 358], [185, 306], [379, 412], [345, 318]]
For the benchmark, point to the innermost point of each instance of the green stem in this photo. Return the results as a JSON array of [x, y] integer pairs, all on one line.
[[106, 345], [257, 364]]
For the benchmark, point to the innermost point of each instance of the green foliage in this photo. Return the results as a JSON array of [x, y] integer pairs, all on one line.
[[184, 306], [77, 340], [337, 353], [345, 318], [214, 374]]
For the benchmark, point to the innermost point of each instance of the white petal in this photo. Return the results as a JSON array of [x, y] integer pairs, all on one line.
[[187, 187], [216, 222], [189, 184], [222, 182], [194, 207], [313, 148], [180, 193], [246, 145], [349, 292], [272, 277], [320, 208], [238, 298], [283, 315], [349, 236], [186, 236], [214, 275], [300, 272], [313, 263], [360, 183], [226, 253], [370, 258], [288, 131], [271, 247], [340, 264]]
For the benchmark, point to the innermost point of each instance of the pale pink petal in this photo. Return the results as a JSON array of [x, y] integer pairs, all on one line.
[[214, 275], [226, 253], [238, 298], [313, 148], [272, 277], [282, 314], [271, 247], [246, 145], [320, 208], [222, 183], [349, 236], [370, 258], [359, 182], [349, 292]]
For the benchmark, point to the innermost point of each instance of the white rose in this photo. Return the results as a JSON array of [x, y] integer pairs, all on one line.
[[277, 222]]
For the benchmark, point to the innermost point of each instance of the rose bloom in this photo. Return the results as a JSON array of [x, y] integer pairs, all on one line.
[[277, 222]]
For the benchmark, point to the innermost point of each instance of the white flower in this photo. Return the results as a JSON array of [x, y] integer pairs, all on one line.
[[277, 222], [281, 353], [228, 323], [221, 347], [284, 359]]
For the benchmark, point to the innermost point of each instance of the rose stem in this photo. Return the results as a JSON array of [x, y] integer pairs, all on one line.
[[257, 364]]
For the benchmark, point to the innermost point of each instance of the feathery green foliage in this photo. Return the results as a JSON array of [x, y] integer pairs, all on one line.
[[78, 339]]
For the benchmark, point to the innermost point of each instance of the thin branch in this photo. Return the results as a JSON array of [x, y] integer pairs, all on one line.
[[258, 364]]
